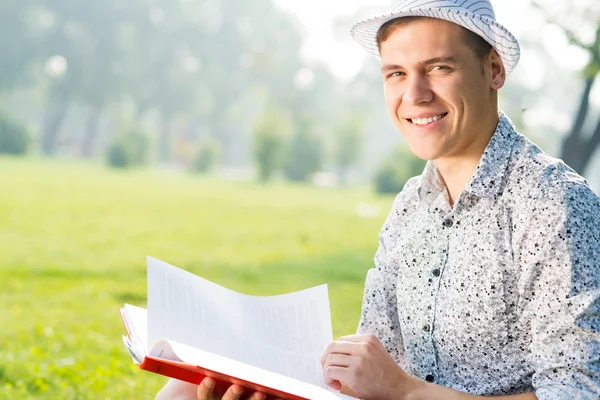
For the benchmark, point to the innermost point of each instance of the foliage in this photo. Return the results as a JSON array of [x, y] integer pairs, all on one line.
[[349, 140], [14, 138], [269, 137], [163, 60], [117, 155], [207, 156], [74, 241], [128, 150], [16, 23], [305, 153], [396, 170]]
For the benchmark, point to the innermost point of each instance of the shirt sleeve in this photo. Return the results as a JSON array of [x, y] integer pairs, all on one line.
[[559, 256], [379, 315]]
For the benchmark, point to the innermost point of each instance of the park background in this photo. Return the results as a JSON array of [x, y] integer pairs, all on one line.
[[245, 141]]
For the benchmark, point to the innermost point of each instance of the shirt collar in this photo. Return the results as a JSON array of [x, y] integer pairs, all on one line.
[[431, 181], [487, 178]]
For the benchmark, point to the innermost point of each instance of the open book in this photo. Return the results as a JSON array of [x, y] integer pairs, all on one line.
[[195, 328]]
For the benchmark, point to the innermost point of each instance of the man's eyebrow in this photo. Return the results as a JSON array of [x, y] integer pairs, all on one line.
[[435, 60], [438, 60], [390, 67]]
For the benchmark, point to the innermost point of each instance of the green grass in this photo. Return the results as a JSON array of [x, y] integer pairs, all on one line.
[[73, 244]]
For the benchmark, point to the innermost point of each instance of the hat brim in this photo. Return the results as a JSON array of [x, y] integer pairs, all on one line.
[[507, 46]]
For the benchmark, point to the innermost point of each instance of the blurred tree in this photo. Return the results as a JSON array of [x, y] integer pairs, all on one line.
[[270, 135], [102, 80], [159, 63], [80, 47], [305, 152], [14, 138], [257, 49], [349, 141], [164, 70], [59, 98], [207, 157], [16, 21], [127, 150], [396, 169], [216, 61], [580, 145], [116, 155]]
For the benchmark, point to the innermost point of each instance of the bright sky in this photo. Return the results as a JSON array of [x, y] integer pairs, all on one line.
[[344, 57]]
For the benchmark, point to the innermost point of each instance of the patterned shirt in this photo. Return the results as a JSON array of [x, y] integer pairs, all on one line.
[[499, 294]]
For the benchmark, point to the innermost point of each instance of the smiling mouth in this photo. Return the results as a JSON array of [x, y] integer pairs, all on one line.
[[426, 121]]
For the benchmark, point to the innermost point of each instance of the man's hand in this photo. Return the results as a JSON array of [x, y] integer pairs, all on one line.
[[206, 391], [362, 363]]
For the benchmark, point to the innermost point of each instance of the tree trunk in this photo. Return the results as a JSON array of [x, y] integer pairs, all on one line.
[[225, 144], [576, 145], [91, 132], [140, 112], [56, 111], [343, 174], [164, 140], [584, 106], [590, 148]]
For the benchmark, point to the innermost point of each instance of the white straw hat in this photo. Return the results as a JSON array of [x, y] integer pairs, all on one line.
[[476, 15]]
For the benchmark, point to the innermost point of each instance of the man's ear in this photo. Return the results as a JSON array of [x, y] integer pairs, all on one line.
[[497, 73]]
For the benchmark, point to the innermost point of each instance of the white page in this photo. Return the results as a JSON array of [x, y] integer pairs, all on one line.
[[285, 334], [137, 322]]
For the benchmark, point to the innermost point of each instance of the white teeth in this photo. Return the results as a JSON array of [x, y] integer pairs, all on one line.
[[425, 121]]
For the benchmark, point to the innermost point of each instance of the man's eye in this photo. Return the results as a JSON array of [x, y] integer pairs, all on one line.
[[394, 74], [441, 68]]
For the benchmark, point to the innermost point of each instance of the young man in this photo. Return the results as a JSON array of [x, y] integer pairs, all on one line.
[[487, 277]]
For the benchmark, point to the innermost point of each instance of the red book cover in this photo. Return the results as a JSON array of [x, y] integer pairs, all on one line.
[[194, 374]]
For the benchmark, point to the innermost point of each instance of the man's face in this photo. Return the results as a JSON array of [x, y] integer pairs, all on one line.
[[436, 89]]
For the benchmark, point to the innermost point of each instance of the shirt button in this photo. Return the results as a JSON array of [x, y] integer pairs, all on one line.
[[426, 328], [430, 378], [448, 223], [436, 272]]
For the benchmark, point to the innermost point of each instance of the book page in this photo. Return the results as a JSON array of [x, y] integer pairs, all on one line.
[[284, 334], [136, 322]]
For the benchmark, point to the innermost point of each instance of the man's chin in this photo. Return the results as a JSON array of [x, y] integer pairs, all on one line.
[[426, 154]]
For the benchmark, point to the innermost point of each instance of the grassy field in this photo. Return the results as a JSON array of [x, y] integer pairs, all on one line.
[[73, 244]]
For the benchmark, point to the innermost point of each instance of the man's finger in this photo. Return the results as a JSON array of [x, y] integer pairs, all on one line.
[[205, 389], [338, 360], [258, 396], [327, 351], [358, 338], [334, 376], [233, 393], [338, 347]]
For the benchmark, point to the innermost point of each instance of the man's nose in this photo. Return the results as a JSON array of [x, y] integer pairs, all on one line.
[[418, 91]]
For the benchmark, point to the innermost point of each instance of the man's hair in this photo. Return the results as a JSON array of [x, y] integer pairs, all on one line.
[[476, 43]]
